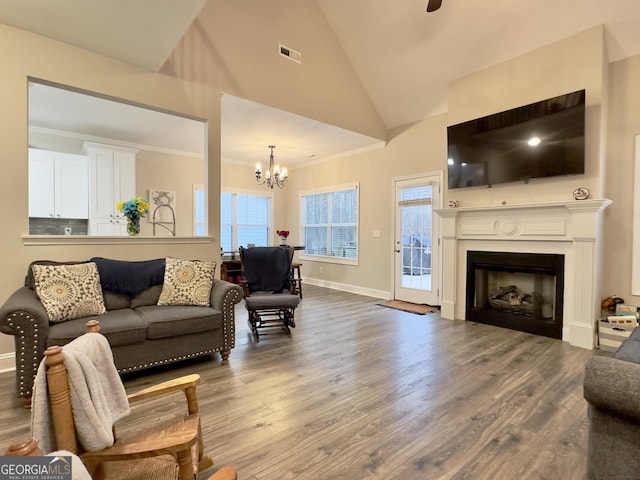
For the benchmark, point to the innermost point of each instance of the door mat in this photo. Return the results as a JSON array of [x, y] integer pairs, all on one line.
[[410, 307]]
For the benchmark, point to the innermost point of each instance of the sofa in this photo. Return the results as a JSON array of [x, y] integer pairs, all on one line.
[[138, 305], [612, 390]]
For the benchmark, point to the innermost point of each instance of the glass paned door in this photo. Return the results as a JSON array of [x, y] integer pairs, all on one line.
[[415, 252]]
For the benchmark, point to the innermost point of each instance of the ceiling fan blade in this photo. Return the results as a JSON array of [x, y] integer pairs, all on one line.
[[433, 5]]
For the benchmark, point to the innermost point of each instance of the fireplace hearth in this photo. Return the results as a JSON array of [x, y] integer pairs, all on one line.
[[571, 229], [520, 291]]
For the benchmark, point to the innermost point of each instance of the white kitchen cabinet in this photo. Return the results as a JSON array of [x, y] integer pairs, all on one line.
[[58, 185], [112, 173]]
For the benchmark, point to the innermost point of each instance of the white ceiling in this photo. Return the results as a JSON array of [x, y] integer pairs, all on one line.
[[248, 129], [59, 111], [141, 32], [403, 56]]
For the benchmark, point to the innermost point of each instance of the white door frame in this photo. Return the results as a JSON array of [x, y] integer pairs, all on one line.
[[437, 196]]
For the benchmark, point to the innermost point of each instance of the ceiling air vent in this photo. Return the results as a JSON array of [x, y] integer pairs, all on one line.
[[291, 54]]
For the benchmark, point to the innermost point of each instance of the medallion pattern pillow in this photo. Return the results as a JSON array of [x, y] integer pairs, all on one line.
[[187, 282], [69, 291]]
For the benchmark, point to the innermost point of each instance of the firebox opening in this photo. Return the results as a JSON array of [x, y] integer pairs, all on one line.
[[520, 291]]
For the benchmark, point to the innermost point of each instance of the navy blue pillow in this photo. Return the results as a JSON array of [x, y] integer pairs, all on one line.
[[130, 278]]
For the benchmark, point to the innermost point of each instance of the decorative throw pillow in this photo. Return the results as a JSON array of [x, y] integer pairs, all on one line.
[[69, 291], [129, 277], [187, 282]]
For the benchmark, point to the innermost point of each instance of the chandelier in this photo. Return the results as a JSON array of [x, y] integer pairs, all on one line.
[[272, 177]]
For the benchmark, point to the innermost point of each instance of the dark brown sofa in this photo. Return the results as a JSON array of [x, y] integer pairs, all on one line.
[[141, 333]]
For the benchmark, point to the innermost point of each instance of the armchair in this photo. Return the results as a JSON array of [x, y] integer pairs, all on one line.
[[270, 292]]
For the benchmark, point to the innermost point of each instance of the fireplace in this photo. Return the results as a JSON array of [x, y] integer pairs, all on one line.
[[520, 291], [570, 230]]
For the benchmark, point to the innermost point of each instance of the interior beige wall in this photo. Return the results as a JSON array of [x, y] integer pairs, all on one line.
[[160, 171], [571, 64], [419, 148], [239, 53], [24, 54], [622, 127], [574, 63]]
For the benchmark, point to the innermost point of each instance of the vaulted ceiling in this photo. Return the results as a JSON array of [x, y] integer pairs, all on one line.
[[402, 56]]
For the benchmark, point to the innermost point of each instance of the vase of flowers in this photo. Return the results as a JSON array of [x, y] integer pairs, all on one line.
[[133, 226], [283, 234], [134, 210]]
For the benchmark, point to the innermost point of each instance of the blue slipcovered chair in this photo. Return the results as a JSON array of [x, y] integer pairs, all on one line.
[[270, 291]]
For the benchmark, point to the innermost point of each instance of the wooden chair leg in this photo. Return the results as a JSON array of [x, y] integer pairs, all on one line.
[[225, 356], [185, 465], [27, 447], [295, 269]]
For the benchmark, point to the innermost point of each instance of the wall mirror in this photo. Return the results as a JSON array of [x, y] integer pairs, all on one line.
[[88, 152]]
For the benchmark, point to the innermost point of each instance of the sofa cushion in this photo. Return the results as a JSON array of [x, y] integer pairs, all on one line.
[[121, 327], [149, 296], [30, 282], [635, 335], [629, 351], [170, 321], [187, 282], [115, 301], [127, 277], [69, 291], [266, 300]]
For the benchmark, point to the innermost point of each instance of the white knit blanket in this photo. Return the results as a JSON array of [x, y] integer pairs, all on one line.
[[78, 470], [97, 395]]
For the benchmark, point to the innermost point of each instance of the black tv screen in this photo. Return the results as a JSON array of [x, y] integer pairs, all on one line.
[[542, 139]]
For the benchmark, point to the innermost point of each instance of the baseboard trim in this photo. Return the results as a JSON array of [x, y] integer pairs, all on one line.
[[581, 335], [7, 362], [368, 292]]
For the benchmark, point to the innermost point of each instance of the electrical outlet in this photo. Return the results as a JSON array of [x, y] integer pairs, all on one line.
[[67, 230], [321, 269]]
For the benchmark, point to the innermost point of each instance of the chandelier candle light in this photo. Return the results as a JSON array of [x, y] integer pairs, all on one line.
[[272, 177]]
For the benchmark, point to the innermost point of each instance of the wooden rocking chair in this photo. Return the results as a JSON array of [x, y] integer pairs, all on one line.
[[171, 449], [28, 447]]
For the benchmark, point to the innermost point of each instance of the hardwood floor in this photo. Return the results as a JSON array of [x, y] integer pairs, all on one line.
[[366, 392]]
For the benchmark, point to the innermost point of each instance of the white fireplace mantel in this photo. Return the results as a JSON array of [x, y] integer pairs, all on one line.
[[572, 229]]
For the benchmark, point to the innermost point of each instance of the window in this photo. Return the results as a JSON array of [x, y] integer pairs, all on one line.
[[330, 224], [244, 219], [198, 213]]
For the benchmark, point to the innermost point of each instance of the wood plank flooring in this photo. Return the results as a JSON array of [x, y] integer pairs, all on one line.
[[366, 392]]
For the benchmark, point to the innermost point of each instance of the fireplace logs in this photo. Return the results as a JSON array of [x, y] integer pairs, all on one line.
[[522, 291], [512, 299]]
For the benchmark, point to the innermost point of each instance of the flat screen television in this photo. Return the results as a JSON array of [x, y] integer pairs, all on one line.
[[542, 139]]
